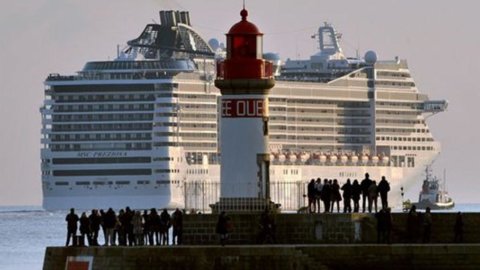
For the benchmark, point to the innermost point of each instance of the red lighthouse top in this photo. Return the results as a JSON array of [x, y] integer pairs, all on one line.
[[244, 53], [244, 27]]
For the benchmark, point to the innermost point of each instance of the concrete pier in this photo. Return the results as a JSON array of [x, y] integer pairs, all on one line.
[[276, 257], [304, 241]]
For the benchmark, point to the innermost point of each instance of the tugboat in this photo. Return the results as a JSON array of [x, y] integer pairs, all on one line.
[[433, 194]]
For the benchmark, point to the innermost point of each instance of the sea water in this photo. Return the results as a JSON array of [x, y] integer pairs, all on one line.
[[27, 230]]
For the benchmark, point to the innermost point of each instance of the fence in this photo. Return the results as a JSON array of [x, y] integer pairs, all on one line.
[[200, 195]]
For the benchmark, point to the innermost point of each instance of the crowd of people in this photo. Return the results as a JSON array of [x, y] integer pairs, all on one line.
[[128, 227], [330, 193]]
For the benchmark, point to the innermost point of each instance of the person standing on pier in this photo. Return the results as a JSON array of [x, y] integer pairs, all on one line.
[[318, 193], [383, 189], [311, 196], [165, 223], [347, 195], [372, 196], [137, 224], [109, 222], [177, 223], [365, 184], [85, 228], [95, 221], [336, 197], [356, 192], [325, 196], [71, 220]]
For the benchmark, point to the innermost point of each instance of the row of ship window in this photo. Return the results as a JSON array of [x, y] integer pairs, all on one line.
[[102, 183], [197, 171], [414, 148], [94, 98], [101, 136], [341, 104], [405, 139], [100, 146], [186, 135], [187, 106], [104, 117], [192, 115], [102, 107], [100, 127], [193, 145]]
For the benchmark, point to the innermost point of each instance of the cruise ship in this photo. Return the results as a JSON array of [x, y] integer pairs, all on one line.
[[143, 130]]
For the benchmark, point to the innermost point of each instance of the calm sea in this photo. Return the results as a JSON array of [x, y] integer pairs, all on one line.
[[27, 230]]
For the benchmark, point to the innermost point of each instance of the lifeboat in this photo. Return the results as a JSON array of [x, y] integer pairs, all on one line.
[[333, 159], [304, 157], [354, 159], [385, 160], [364, 159], [292, 157], [343, 159], [375, 159], [281, 157], [323, 158], [272, 157]]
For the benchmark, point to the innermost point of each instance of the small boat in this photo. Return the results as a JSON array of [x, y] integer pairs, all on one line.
[[433, 194]]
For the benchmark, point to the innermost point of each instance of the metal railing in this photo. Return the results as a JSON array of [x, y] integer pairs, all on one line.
[[198, 195]]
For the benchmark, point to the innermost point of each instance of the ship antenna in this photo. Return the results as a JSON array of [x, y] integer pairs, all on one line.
[[243, 4]]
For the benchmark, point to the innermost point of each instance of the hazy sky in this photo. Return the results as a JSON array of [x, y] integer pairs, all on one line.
[[440, 39]]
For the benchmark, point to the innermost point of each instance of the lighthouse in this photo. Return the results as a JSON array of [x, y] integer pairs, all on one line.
[[244, 79]]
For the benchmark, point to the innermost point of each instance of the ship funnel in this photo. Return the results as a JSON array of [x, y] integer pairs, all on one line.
[[185, 17], [172, 18]]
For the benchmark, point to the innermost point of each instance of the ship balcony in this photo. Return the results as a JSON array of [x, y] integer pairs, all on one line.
[[49, 102], [435, 106], [47, 121]]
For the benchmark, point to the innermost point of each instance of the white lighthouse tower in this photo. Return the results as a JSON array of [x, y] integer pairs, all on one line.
[[244, 79]]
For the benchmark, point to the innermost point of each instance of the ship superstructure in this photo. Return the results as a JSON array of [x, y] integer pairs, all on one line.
[[142, 130]]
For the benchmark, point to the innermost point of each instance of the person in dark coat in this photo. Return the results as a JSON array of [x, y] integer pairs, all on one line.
[[365, 184], [95, 221], [356, 191], [222, 227], [165, 221], [326, 194], [177, 223], [372, 196], [318, 193], [335, 196], [311, 193], [155, 224], [128, 226], [109, 222], [85, 228], [72, 226], [458, 228], [347, 196], [383, 189], [147, 229]]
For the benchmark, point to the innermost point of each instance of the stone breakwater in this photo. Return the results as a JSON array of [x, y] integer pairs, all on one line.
[[325, 241], [276, 257]]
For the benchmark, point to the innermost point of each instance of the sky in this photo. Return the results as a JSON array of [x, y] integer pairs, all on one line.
[[439, 38]]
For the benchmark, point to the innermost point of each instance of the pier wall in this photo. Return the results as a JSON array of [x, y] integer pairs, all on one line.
[[277, 257], [327, 228], [304, 241]]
